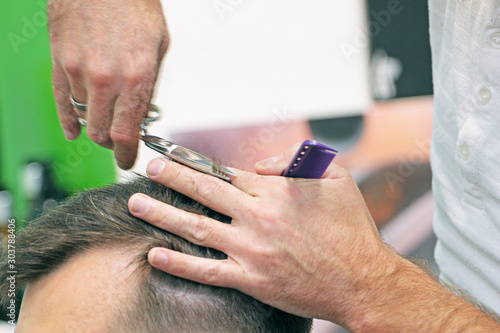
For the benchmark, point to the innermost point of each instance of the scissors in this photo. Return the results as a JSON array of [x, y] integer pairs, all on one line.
[[310, 161], [188, 157], [169, 149]]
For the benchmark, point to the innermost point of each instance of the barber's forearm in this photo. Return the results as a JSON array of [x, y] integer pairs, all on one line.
[[409, 300]]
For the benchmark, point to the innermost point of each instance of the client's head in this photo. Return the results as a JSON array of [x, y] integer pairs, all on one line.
[[85, 267]]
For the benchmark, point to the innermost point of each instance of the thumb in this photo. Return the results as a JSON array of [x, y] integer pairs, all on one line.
[[275, 166]]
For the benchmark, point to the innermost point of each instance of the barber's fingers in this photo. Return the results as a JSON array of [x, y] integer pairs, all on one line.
[[72, 68], [131, 108], [197, 229], [126, 138], [67, 115], [208, 190], [101, 98], [222, 273], [72, 64], [275, 166]]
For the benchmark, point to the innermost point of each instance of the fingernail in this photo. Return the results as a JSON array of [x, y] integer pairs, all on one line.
[[268, 162], [159, 258], [69, 135], [139, 204], [155, 167]]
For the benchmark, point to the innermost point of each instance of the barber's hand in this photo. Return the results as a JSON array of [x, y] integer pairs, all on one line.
[[305, 246], [106, 53]]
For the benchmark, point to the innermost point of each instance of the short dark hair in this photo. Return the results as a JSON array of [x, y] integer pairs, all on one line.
[[100, 217]]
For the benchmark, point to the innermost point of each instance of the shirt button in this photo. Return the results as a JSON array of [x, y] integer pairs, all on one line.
[[495, 40], [484, 95], [464, 152]]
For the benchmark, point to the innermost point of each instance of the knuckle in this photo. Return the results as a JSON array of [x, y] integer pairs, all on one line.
[[133, 77], [270, 211], [267, 254], [134, 74], [271, 214], [210, 274], [140, 70], [200, 232], [123, 137], [179, 268], [72, 64], [208, 189], [100, 75]]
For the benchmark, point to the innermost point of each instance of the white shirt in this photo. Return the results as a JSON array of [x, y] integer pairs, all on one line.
[[465, 155]]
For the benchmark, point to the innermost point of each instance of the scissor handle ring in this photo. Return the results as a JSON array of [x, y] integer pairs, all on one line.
[[153, 114]]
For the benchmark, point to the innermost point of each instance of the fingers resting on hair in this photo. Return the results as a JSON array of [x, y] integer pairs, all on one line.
[[223, 273], [197, 229], [210, 191]]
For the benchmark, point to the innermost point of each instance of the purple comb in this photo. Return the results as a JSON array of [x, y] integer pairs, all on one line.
[[311, 160]]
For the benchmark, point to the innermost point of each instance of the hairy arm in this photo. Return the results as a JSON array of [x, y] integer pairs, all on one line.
[[308, 247], [409, 300]]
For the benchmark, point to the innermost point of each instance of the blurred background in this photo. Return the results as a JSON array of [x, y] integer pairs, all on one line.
[[243, 81]]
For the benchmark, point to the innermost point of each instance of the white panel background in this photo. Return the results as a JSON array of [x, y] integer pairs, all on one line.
[[235, 69]]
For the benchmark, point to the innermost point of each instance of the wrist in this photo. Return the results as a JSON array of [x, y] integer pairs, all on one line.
[[378, 293], [405, 298], [357, 294]]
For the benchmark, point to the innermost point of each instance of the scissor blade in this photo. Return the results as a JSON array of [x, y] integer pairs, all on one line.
[[188, 157], [156, 143]]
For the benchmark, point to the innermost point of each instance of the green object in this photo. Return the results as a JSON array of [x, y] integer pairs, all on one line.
[[29, 126]]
